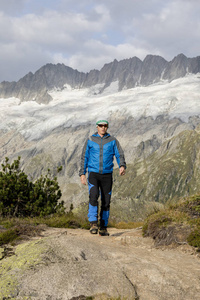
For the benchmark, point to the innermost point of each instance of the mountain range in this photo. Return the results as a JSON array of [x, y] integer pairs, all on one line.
[[153, 108], [129, 73]]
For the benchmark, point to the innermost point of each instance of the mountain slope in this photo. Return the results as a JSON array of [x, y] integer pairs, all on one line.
[[169, 173], [128, 72], [50, 131]]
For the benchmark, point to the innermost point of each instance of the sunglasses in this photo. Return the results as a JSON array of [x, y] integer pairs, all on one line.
[[103, 125]]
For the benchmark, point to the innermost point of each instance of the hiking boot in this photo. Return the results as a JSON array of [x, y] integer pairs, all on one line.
[[103, 232], [93, 228]]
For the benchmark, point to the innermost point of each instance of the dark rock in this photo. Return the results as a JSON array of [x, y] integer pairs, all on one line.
[[129, 73]]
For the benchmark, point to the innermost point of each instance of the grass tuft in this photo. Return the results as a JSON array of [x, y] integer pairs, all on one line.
[[126, 225], [14, 228], [194, 238], [8, 236], [178, 223]]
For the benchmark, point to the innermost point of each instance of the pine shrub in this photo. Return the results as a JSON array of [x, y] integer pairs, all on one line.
[[20, 197]]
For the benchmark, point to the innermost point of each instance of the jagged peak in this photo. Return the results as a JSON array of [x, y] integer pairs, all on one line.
[[112, 63], [129, 73], [180, 56], [148, 58], [153, 58]]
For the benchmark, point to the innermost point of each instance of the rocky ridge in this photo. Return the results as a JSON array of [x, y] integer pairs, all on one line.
[[129, 73]]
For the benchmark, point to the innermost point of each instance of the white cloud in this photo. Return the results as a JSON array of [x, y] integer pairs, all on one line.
[[107, 53], [86, 34], [12, 7], [172, 29]]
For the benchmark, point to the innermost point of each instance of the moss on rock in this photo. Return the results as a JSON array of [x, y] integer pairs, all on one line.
[[27, 255], [1, 253]]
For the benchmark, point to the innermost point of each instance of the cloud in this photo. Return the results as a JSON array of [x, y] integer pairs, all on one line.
[[89, 33], [107, 53], [12, 7]]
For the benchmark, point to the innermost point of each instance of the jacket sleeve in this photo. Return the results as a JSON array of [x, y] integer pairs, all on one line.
[[119, 154], [84, 159]]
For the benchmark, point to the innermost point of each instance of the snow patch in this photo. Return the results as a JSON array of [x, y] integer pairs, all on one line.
[[72, 107]]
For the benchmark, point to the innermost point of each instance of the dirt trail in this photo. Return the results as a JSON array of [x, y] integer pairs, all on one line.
[[124, 265]]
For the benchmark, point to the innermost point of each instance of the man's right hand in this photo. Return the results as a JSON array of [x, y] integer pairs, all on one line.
[[83, 179]]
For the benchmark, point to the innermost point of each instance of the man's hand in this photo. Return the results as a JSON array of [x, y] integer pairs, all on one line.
[[83, 179], [122, 171]]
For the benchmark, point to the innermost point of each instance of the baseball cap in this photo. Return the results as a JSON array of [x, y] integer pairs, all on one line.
[[100, 122]]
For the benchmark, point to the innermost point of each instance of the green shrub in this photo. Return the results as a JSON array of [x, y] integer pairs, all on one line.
[[8, 236], [20, 197], [177, 223], [194, 238]]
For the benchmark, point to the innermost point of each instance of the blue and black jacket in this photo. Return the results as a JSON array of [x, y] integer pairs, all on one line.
[[98, 154]]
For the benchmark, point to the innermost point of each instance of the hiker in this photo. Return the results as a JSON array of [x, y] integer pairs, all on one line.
[[97, 158]]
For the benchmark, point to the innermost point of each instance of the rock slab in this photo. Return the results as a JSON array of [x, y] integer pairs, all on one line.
[[124, 265]]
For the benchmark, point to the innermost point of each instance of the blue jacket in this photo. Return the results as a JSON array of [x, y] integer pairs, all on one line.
[[98, 154]]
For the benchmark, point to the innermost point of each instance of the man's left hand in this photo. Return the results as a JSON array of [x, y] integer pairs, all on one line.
[[122, 171]]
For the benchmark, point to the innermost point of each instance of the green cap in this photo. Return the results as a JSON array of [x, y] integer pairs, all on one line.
[[102, 122]]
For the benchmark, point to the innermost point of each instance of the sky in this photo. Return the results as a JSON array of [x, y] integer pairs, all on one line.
[[86, 34]]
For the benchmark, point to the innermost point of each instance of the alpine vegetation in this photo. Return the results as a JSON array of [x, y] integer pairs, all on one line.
[[20, 197]]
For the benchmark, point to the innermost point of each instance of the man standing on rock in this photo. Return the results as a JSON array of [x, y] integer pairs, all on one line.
[[97, 157]]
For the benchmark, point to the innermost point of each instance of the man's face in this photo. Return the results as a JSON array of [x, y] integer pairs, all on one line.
[[102, 129]]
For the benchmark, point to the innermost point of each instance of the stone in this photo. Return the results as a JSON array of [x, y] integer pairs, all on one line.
[[124, 265]]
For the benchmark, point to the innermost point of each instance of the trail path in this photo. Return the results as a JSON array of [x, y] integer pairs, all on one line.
[[123, 266]]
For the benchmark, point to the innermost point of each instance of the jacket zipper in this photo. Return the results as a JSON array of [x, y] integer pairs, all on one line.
[[101, 158]]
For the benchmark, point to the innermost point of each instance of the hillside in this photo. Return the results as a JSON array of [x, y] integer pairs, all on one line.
[[148, 117], [171, 172]]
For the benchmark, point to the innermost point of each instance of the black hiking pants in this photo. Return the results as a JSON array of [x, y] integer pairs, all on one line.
[[99, 184]]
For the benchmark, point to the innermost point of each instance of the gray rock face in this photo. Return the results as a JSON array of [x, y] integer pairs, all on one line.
[[152, 69], [180, 66], [35, 86], [122, 266], [128, 72]]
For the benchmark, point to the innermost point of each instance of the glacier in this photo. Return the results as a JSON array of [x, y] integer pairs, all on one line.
[[73, 107]]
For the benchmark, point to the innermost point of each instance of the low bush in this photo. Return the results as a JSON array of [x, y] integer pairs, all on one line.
[[194, 238], [8, 236], [16, 228], [178, 223], [20, 197]]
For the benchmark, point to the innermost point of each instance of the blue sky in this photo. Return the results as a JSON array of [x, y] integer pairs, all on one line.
[[86, 34]]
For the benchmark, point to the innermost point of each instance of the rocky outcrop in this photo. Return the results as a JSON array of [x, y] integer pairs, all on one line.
[[180, 66], [71, 264], [129, 73], [152, 69], [36, 86]]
